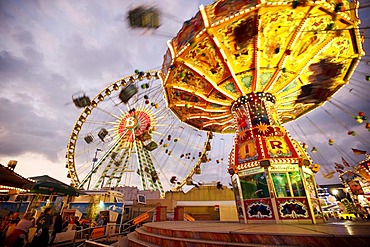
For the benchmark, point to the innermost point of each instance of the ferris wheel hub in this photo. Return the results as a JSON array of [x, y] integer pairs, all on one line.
[[134, 124]]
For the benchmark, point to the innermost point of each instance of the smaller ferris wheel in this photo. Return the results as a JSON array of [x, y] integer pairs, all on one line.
[[126, 136]]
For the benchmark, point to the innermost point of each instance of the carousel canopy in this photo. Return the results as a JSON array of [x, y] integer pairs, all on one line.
[[49, 186], [9, 178], [301, 52]]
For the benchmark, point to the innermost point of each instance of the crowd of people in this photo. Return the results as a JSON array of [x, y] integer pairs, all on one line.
[[14, 230]]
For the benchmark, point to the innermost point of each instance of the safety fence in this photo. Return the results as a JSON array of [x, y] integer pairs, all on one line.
[[107, 234]]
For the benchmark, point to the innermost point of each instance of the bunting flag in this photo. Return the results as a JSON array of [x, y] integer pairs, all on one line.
[[338, 166], [358, 151], [345, 162], [339, 170]]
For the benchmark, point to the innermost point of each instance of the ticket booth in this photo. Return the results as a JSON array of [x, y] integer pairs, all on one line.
[[278, 193], [111, 218]]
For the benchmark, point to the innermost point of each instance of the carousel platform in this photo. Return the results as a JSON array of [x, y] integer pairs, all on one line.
[[211, 233]]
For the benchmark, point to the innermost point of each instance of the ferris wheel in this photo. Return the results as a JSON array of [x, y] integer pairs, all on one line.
[[126, 136]]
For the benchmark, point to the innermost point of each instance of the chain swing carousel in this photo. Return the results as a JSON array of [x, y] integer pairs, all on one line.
[[248, 66]]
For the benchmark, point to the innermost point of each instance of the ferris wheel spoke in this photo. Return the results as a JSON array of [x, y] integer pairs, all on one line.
[[115, 104], [108, 113], [100, 123]]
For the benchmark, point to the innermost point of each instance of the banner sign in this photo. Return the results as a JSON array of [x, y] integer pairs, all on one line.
[[97, 232], [140, 218]]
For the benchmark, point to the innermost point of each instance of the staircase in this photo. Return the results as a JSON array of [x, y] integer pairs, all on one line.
[[208, 234]]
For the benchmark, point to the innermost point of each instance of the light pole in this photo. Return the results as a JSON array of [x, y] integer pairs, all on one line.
[[335, 193], [95, 159], [339, 193]]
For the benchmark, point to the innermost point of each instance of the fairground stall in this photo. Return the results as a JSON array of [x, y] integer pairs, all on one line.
[[357, 183]]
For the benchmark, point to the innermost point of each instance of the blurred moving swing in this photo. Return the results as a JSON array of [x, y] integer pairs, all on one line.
[[144, 17], [81, 100]]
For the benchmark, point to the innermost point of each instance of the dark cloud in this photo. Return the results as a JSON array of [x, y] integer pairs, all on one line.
[[11, 66], [24, 37], [24, 131]]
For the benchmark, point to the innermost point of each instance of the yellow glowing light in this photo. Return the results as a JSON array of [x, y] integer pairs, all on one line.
[[262, 128], [242, 133]]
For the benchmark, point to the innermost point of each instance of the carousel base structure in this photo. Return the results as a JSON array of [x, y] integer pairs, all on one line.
[[212, 233]]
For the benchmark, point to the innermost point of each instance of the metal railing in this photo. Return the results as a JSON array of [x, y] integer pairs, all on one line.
[[110, 231], [102, 232]]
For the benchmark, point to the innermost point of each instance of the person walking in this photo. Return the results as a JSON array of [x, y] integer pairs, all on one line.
[[57, 226], [41, 238]]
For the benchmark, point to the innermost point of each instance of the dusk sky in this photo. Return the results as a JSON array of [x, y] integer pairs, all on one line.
[[50, 50]]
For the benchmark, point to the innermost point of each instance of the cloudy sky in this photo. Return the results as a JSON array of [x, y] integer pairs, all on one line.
[[49, 50]]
